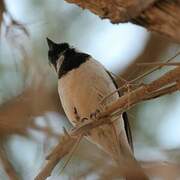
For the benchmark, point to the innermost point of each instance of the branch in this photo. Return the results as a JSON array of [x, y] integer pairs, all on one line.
[[162, 16], [130, 99], [56, 155], [163, 91], [10, 171], [154, 89], [152, 52]]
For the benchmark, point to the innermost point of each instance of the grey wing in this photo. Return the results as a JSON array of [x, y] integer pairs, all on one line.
[[125, 117]]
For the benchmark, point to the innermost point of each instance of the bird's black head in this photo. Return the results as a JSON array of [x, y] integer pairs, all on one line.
[[65, 58], [55, 51]]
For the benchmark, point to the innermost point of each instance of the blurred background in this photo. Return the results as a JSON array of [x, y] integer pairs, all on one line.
[[31, 117]]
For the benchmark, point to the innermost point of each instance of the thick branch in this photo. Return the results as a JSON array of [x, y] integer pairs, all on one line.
[[162, 16]]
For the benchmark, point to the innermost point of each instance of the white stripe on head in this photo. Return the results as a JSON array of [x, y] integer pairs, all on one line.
[[59, 63]]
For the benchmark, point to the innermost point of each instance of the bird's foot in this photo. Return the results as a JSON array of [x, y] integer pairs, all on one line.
[[94, 115], [84, 119]]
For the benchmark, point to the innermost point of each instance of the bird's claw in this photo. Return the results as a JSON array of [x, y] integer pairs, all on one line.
[[84, 119], [94, 115]]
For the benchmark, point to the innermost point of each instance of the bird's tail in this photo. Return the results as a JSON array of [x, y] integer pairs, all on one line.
[[112, 139], [129, 166]]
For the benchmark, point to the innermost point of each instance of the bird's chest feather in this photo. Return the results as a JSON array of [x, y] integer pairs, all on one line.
[[82, 89]]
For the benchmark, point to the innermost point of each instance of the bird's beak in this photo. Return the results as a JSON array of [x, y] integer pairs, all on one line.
[[51, 44]]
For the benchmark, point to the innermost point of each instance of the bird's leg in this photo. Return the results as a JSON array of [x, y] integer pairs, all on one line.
[[84, 119], [77, 116], [78, 123], [80, 120], [94, 115]]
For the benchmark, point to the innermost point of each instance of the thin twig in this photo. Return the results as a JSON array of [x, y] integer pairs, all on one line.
[[159, 64], [63, 148], [154, 69], [72, 151], [162, 92], [132, 82]]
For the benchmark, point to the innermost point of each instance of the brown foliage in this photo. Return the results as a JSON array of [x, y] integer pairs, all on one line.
[[17, 114]]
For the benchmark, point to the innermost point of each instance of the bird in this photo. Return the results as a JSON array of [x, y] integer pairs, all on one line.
[[82, 84]]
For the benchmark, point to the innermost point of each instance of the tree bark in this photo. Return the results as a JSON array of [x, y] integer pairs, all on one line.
[[162, 16]]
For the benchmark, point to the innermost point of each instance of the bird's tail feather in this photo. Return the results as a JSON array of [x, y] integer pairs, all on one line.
[[130, 167], [117, 146]]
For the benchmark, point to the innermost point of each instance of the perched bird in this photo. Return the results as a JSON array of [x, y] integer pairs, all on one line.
[[82, 84]]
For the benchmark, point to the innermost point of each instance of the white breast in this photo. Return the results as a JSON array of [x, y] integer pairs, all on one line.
[[83, 88]]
